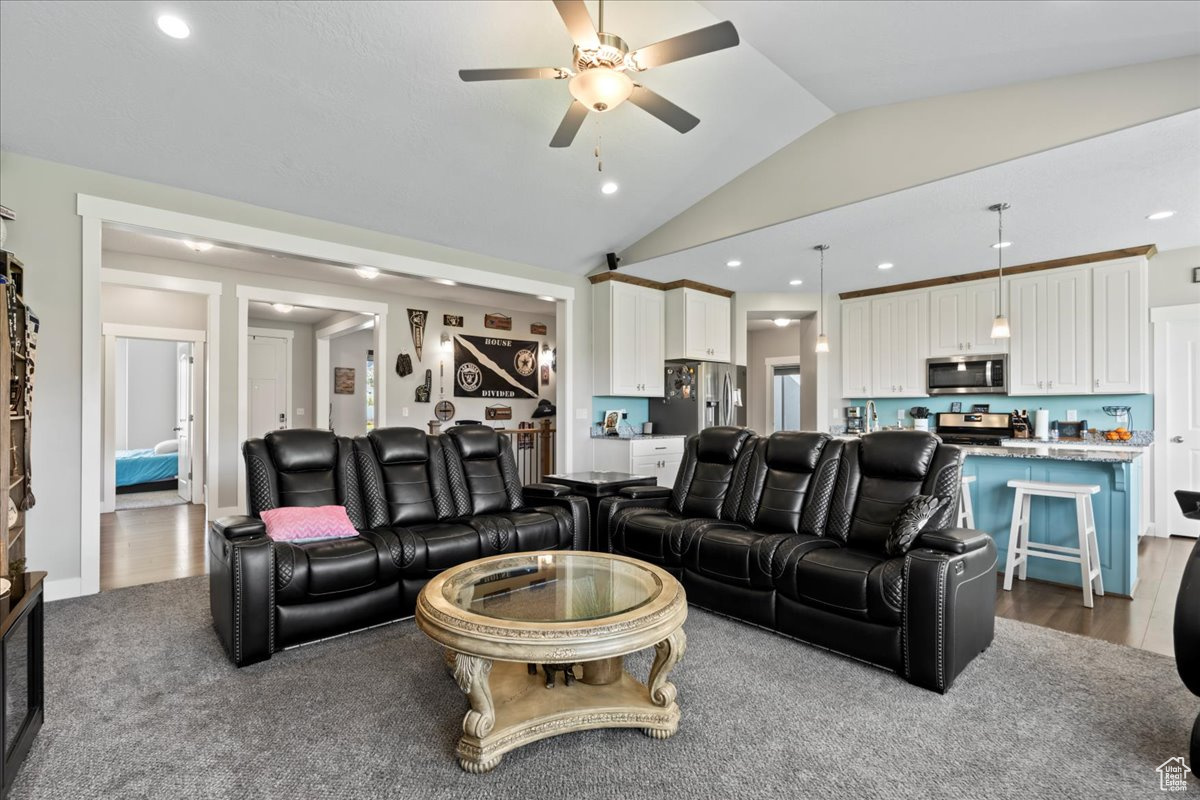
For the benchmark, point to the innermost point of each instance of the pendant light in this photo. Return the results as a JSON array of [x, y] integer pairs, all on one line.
[[1000, 329], [822, 339]]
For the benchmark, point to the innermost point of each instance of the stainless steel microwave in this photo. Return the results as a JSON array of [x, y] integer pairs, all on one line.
[[967, 375]]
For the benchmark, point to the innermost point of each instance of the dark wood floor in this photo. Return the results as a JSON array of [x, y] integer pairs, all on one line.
[[147, 545], [1145, 621], [159, 544]]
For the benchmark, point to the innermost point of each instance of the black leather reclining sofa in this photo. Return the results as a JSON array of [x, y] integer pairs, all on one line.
[[790, 532], [420, 503]]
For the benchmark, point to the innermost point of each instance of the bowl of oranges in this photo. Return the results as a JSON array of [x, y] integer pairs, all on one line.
[[1118, 435]]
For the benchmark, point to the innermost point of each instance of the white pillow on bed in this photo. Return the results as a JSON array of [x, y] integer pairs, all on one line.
[[169, 446]]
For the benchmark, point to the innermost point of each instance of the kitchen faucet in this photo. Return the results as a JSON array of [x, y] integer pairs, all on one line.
[[872, 417]]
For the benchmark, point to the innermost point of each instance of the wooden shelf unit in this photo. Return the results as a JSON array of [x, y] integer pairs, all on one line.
[[12, 435]]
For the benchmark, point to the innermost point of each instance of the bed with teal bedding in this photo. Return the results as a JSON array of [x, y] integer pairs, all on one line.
[[145, 466]]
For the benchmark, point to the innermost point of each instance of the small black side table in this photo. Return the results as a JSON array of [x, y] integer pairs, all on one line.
[[596, 486], [21, 671]]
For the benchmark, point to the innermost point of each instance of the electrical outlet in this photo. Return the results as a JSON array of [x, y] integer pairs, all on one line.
[[1072, 415], [299, 412]]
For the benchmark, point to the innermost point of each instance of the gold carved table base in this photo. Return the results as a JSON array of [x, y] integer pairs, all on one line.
[[511, 708]]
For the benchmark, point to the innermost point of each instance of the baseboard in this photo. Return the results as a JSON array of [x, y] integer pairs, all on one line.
[[62, 589]]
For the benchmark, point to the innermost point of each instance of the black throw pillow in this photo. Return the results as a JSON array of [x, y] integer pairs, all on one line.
[[912, 519]]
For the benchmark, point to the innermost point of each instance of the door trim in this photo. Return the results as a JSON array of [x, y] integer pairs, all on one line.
[[323, 337], [287, 336], [1160, 319], [111, 331]]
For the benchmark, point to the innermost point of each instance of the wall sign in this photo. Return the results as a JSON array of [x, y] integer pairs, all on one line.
[[343, 380], [488, 366], [452, 320], [497, 412], [497, 322], [537, 328], [416, 321]]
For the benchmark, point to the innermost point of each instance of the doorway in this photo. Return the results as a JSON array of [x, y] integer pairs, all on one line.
[[782, 367], [269, 375], [783, 395], [1176, 424]]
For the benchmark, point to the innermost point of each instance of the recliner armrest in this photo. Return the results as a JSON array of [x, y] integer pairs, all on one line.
[[953, 540], [544, 490], [646, 492], [238, 527]]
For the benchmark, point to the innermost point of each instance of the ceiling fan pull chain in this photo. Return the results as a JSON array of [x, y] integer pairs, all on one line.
[[599, 161]]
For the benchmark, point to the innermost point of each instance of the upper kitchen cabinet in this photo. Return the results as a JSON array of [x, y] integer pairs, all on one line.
[[698, 326], [960, 320], [899, 344], [1120, 316], [856, 348], [1051, 321], [628, 333]]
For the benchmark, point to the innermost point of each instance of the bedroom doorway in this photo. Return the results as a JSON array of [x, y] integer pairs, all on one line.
[[154, 421]]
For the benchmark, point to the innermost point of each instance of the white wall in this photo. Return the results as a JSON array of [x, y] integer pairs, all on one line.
[[132, 305], [348, 412], [1171, 277], [47, 236], [149, 386], [303, 363]]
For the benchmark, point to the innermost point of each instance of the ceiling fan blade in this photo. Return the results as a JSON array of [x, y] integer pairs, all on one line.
[[579, 23], [656, 105], [570, 125], [687, 45], [513, 74]]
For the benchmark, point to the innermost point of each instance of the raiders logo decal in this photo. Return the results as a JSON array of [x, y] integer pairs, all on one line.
[[469, 377]]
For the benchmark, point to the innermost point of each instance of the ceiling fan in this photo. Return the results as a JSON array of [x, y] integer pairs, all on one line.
[[602, 64]]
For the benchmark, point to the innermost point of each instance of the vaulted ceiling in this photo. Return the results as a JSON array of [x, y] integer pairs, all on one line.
[[353, 111]]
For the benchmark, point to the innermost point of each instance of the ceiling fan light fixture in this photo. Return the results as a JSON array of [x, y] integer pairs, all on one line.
[[601, 88]]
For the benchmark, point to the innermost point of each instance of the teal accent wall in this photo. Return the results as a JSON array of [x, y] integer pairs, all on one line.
[[1088, 406], [638, 408]]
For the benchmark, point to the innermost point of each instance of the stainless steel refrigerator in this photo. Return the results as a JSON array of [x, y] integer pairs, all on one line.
[[699, 394]]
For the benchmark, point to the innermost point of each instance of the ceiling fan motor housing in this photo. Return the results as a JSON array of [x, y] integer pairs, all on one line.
[[600, 82]]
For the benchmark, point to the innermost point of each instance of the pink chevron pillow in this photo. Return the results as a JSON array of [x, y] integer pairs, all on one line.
[[296, 523]]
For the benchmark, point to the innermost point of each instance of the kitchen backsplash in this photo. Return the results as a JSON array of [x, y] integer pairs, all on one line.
[[638, 408], [1087, 407]]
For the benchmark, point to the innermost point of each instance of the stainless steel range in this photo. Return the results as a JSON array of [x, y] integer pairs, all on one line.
[[973, 428]]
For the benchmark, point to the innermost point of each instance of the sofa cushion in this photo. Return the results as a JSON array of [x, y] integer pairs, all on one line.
[[847, 582], [538, 529], [910, 522], [445, 544], [318, 571], [736, 556], [302, 449], [707, 490]]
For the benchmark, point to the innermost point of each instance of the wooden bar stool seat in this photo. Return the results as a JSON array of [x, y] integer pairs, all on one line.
[[1021, 549]]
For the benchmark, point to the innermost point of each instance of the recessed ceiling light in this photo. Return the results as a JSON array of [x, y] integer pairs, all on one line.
[[370, 273], [174, 27], [886, 265], [282, 308], [796, 282], [610, 187], [782, 322], [444, 281], [1001, 245], [1160, 215], [199, 247], [733, 263], [546, 297]]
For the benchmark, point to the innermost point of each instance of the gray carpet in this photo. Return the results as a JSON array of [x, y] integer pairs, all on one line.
[[142, 703], [159, 499]]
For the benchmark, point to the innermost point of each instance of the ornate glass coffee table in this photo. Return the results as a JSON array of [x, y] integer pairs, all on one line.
[[581, 612]]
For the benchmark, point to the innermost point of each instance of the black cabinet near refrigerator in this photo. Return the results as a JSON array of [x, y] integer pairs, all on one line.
[[21, 672]]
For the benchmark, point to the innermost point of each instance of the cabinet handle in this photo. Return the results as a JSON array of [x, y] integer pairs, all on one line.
[[960, 346], [968, 345], [1097, 383], [1039, 384], [1049, 384]]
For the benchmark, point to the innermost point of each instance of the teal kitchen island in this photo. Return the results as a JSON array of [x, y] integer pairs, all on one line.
[[1118, 506]]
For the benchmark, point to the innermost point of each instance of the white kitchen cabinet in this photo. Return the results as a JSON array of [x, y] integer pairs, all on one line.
[[627, 340], [698, 326], [960, 320], [856, 348], [899, 344], [1050, 315], [658, 457], [1120, 316]]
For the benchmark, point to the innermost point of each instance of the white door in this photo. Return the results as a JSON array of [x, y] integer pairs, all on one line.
[[717, 324], [649, 346], [911, 343], [856, 349], [1119, 325], [946, 322], [884, 329], [268, 373], [981, 311], [695, 317], [184, 417], [1026, 319], [1180, 430], [626, 354], [1068, 332]]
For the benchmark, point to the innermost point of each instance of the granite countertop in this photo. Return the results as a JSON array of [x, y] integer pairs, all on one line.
[[1140, 441], [1056, 453], [631, 437]]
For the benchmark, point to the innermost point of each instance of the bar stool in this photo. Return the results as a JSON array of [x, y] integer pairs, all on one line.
[[1020, 549], [966, 512]]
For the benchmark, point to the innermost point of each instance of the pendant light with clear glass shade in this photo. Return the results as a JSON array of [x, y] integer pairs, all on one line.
[[822, 339], [1000, 328]]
